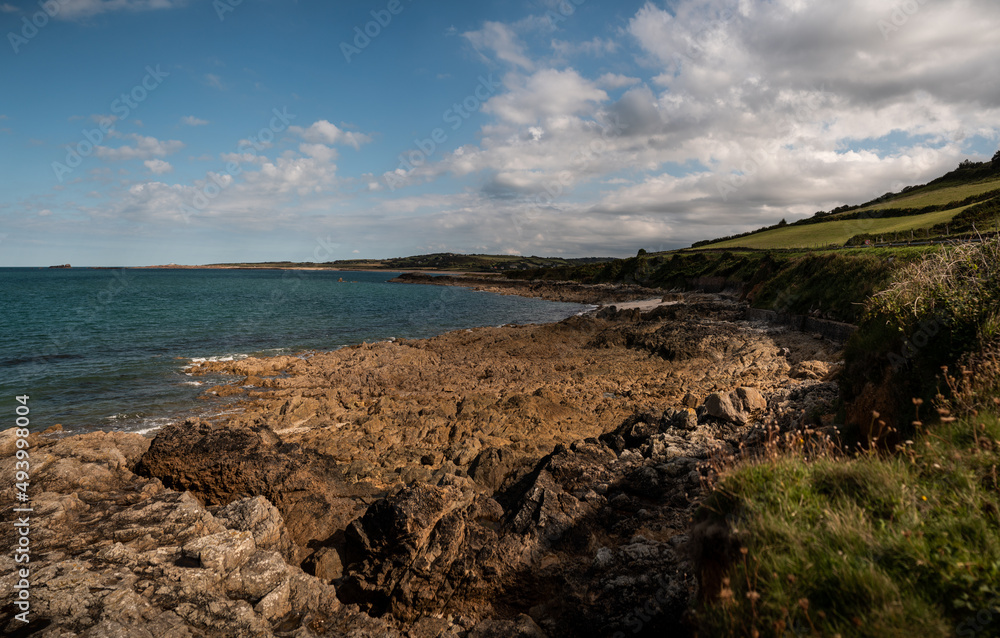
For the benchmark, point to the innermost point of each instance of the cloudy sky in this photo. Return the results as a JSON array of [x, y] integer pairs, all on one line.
[[195, 131]]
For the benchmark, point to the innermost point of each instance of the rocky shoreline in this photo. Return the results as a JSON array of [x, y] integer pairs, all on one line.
[[517, 481]]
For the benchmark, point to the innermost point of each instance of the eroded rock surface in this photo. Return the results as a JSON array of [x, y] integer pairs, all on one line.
[[516, 481]]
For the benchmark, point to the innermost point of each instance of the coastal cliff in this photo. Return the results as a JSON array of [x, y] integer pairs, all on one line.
[[517, 481]]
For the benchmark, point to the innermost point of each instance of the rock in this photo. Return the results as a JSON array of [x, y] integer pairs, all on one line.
[[721, 406], [222, 464], [750, 400], [690, 401], [736, 407], [810, 370], [222, 552], [329, 565], [522, 627], [493, 466], [263, 520], [127, 557]]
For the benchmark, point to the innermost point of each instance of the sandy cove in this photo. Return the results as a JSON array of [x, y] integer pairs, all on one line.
[[524, 480]]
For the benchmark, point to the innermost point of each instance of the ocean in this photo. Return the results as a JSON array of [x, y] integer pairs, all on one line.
[[100, 349]]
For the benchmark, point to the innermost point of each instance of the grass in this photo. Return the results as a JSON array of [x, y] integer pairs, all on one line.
[[868, 545], [898, 534], [836, 233], [937, 197]]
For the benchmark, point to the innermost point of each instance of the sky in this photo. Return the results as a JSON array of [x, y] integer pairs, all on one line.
[[140, 132]]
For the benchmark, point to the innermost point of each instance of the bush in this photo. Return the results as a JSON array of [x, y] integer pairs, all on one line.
[[939, 311]]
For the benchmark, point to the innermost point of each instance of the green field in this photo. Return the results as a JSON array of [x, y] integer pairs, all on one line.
[[836, 232], [921, 198]]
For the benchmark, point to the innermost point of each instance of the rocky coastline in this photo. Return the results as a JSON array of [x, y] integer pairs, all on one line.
[[517, 481]]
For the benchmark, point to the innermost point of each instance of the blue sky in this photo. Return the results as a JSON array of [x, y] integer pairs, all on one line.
[[136, 132]]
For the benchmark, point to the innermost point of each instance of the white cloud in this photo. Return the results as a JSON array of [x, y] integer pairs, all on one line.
[[144, 148], [596, 47], [191, 120], [79, 9], [214, 81], [796, 95], [323, 132], [158, 166], [502, 41], [319, 151], [546, 94], [8, 8], [616, 81]]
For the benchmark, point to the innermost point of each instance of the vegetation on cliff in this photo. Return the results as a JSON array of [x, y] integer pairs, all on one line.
[[898, 533], [830, 284]]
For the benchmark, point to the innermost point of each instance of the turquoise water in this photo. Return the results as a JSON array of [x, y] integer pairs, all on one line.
[[106, 349]]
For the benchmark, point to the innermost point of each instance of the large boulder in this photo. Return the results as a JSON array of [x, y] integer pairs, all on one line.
[[226, 463], [738, 406]]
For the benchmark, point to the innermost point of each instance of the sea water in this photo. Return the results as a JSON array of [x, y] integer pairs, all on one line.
[[107, 349]]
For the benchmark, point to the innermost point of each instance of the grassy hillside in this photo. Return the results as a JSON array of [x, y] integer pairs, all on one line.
[[934, 196], [837, 233], [964, 201]]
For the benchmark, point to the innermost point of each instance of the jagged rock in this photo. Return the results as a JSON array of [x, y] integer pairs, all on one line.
[[263, 520], [493, 466], [736, 407], [222, 464], [521, 627], [131, 558], [810, 370], [721, 406]]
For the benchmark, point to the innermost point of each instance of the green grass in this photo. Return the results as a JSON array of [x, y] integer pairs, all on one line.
[[921, 197], [870, 545], [836, 233]]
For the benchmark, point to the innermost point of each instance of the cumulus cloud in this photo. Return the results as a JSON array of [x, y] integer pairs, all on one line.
[[191, 120], [546, 94], [750, 112], [323, 132], [616, 81], [158, 166], [144, 148], [502, 41]]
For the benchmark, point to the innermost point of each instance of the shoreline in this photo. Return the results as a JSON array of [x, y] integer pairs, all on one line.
[[514, 438]]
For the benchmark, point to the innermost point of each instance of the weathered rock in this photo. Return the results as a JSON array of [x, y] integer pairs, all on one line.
[[737, 407], [263, 520], [521, 627], [721, 406], [222, 463], [493, 466], [810, 370], [127, 557]]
